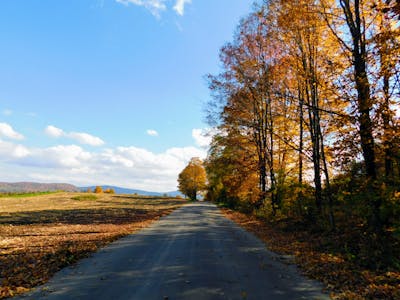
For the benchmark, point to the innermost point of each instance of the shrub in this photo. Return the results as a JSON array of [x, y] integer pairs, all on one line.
[[98, 189], [84, 197]]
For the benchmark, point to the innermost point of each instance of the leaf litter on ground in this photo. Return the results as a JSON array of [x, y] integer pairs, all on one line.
[[343, 277], [40, 235]]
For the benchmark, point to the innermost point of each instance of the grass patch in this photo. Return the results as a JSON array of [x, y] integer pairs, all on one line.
[[85, 197], [28, 194], [41, 235]]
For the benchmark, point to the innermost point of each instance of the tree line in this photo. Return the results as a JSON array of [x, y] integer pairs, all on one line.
[[306, 109]]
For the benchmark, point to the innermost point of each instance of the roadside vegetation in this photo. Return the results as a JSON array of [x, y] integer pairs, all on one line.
[[306, 116], [42, 234]]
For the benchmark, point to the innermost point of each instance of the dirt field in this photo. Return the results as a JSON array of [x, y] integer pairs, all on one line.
[[41, 234]]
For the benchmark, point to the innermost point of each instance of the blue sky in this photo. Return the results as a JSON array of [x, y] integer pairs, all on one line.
[[107, 91]]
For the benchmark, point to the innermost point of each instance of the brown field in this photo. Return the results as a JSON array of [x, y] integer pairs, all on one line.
[[42, 234]]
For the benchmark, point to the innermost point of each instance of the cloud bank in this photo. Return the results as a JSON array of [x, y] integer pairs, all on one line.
[[123, 166], [131, 166]]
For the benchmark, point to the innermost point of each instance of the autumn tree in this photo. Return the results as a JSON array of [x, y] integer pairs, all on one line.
[[303, 32], [98, 189], [192, 179], [252, 88], [386, 50], [369, 41], [295, 92], [306, 109], [354, 42], [231, 168], [109, 191]]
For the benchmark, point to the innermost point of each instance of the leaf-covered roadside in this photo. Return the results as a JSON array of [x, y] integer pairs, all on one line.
[[318, 258], [37, 243]]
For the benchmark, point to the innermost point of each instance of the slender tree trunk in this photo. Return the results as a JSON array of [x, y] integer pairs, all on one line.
[[301, 137], [356, 25], [364, 103], [310, 85], [270, 130], [389, 165], [328, 190], [386, 117]]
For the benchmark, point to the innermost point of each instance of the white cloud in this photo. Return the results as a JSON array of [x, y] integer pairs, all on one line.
[[85, 138], [7, 131], [154, 6], [152, 132], [59, 158], [81, 137], [54, 131], [10, 151], [132, 167], [203, 137], [157, 6], [180, 6]]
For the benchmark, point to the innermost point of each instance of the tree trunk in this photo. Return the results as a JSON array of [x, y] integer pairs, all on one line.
[[364, 103], [301, 142], [356, 25]]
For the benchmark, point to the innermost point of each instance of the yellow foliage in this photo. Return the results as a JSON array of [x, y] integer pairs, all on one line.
[[192, 179], [109, 191]]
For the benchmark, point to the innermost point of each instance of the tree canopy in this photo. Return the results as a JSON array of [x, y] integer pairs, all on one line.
[[192, 179], [306, 107]]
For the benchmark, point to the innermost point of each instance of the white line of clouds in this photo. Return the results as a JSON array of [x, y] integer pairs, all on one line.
[[131, 166], [123, 166], [81, 137]]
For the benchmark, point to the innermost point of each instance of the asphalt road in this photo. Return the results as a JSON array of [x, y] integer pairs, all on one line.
[[194, 253]]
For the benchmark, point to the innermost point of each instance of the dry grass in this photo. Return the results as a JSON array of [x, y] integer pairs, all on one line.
[[40, 235]]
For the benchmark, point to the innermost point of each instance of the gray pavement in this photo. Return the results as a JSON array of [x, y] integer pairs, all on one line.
[[194, 253]]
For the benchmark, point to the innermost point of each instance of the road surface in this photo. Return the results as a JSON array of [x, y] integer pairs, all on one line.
[[194, 253]]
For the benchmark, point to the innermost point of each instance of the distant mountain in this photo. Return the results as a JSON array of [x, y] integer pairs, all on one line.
[[121, 190], [23, 187], [175, 193]]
